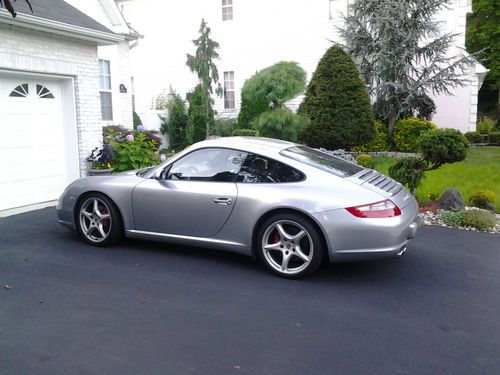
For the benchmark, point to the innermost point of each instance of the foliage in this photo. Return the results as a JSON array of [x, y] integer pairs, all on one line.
[[495, 138], [407, 131], [8, 5], [365, 160], [112, 134], [482, 36], [175, 123], [270, 88], [436, 147], [281, 123], [379, 142], [409, 171], [442, 146], [224, 127], [474, 137], [479, 219], [134, 153], [479, 170], [388, 40], [485, 126], [136, 120], [200, 113], [337, 104], [245, 132], [101, 158], [160, 102], [482, 197], [339, 153]]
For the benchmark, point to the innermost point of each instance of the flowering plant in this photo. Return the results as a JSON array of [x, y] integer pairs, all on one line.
[[101, 158]]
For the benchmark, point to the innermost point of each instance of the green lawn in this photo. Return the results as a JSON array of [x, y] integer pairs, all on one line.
[[480, 170]]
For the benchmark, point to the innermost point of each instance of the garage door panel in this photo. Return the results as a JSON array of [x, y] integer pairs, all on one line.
[[32, 147]]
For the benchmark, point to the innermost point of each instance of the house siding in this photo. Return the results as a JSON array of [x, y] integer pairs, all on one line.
[[31, 51]]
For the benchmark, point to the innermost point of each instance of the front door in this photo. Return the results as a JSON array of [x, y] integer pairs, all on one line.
[[196, 198]]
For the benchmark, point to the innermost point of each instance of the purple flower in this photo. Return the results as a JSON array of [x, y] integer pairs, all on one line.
[[163, 158], [140, 128], [130, 138]]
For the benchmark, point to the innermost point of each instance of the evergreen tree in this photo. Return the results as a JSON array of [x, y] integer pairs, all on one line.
[[175, 123], [483, 39], [337, 104], [202, 63], [388, 41], [270, 88], [199, 114]]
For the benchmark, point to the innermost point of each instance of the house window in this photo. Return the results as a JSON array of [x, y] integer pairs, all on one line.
[[229, 102], [105, 90], [227, 10]]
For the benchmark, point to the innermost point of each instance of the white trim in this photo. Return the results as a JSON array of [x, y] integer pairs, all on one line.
[[60, 28]]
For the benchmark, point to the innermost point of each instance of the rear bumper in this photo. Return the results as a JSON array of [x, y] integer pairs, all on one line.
[[354, 239]]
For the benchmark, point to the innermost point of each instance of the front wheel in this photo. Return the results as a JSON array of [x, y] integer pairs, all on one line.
[[290, 246], [98, 220]]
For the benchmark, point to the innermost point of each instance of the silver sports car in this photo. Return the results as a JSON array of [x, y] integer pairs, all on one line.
[[286, 204]]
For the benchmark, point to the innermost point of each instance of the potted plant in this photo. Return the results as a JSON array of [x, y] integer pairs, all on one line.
[[101, 161]]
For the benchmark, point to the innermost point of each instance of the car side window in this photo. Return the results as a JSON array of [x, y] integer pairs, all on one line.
[[259, 169], [208, 164]]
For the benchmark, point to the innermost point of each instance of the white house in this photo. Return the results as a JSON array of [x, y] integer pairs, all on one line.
[[255, 34], [63, 75]]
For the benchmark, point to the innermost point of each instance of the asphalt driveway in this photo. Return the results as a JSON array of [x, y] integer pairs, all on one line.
[[149, 308]]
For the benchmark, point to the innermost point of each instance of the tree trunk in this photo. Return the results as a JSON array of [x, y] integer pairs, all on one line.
[[391, 124], [498, 100], [207, 125]]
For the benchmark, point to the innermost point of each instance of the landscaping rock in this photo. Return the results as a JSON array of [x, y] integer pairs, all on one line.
[[490, 207], [451, 200]]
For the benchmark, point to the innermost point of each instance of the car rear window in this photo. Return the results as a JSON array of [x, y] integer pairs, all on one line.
[[321, 160]]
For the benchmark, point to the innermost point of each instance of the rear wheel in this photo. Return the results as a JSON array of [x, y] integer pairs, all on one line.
[[99, 222], [290, 246]]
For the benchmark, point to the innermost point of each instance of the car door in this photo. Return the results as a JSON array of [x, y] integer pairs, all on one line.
[[195, 198]]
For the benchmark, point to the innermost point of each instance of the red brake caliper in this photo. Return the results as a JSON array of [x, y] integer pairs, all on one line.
[[276, 237], [105, 223]]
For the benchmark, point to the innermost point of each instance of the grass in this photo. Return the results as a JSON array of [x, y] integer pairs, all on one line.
[[480, 170]]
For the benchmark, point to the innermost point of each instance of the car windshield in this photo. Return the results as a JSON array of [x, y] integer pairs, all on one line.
[[321, 160]]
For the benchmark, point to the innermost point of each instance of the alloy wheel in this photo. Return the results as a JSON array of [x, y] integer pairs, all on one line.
[[95, 219]]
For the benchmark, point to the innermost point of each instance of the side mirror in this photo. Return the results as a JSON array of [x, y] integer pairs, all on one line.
[[163, 174]]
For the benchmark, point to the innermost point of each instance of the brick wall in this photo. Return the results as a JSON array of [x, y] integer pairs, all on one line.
[[39, 52]]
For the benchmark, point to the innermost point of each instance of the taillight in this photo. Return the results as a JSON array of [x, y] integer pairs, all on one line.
[[375, 210]]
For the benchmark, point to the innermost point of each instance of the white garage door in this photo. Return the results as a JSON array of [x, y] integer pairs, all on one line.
[[32, 153]]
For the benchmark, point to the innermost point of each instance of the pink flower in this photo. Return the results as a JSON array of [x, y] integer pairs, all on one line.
[[163, 158], [130, 138]]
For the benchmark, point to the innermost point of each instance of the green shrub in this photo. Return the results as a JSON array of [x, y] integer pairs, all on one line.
[[495, 138], [379, 142], [442, 146], [281, 124], [479, 219], [197, 116], [136, 119], [224, 127], [134, 152], [408, 130], [365, 160], [337, 103], [175, 123], [485, 126], [482, 197], [474, 137], [408, 171], [245, 133]]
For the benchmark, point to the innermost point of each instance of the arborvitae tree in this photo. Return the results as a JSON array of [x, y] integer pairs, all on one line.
[[199, 114], [270, 88], [202, 63], [388, 41], [337, 104], [175, 123]]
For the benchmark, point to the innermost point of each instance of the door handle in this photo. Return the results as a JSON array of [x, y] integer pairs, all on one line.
[[226, 201]]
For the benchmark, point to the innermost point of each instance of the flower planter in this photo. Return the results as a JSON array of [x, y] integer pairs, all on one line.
[[99, 172]]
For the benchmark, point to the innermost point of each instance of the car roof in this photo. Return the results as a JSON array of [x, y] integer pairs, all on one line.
[[251, 144]]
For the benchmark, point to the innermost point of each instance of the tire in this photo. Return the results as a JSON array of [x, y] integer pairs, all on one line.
[[290, 246], [98, 220]]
